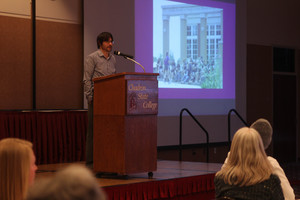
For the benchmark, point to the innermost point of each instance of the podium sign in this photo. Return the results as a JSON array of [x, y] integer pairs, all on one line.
[[142, 97], [125, 123]]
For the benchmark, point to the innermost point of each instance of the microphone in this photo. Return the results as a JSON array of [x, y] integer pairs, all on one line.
[[128, 57], [118, 53]]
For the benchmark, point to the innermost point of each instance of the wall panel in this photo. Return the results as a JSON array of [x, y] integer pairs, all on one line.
[[15, 63], [259, 82], [59, 65], [59, 50]]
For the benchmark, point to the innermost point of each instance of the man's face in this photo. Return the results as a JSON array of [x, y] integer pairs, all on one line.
[[107, 45]]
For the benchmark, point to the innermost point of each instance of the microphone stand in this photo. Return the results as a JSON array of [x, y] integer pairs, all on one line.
[[135, 62]]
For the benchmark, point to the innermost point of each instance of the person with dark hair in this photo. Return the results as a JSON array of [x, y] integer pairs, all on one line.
[[97, 64], [166, 67], [265, 130], [104, 37]]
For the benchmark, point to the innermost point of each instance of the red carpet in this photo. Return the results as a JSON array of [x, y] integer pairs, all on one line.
[[196, 187]]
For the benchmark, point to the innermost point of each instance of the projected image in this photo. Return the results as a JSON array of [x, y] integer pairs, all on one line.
[[191, 44], [187, 45]]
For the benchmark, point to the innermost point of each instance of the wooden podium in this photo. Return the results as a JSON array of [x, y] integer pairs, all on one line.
[[125, 123]]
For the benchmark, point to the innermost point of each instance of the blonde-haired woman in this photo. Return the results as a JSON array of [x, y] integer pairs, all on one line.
[[248, 173], [17, 168]]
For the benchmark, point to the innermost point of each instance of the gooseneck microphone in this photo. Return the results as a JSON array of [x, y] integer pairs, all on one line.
[[118, 53], [129, 57]]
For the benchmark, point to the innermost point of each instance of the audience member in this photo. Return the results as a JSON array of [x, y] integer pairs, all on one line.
[[75, 182], [264, 128], [17, 168], [248, 173]]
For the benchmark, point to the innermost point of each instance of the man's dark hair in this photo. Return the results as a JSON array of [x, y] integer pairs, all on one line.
[[103, 37], [264, 128]]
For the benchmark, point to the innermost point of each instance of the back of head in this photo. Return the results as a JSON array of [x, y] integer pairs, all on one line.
[[15, 157], [77, 182], [264, 128], [72, 183], [247, 162]]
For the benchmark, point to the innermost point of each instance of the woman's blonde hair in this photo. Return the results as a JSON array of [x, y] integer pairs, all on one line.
[[247, 162], [15, 157]]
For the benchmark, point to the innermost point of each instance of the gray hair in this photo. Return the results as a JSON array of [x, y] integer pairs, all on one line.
[[75, 182]]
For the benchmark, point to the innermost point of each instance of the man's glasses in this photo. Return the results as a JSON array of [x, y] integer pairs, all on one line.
[[112, 42]]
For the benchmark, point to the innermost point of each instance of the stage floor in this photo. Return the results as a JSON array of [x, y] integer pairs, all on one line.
[[166, 170]]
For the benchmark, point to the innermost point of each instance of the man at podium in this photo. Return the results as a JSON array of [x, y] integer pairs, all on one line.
[[97, 64]]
